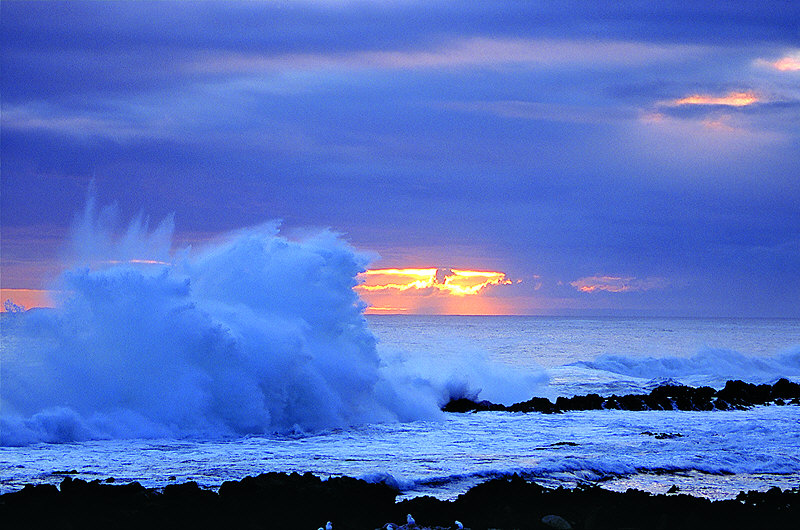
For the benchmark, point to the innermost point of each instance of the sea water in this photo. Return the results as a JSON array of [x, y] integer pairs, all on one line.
[[252, 354], [714, 454]]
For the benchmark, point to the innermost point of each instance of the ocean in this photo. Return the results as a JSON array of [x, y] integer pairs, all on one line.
[[427, 360]]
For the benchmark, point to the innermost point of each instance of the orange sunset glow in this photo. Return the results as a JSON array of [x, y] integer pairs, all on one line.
[[27, 298], [431, 290], [732, 99], [787, 64]]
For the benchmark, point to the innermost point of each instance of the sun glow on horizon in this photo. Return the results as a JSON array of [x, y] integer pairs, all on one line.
[[416, 289], [387, 291], [22, 298], [458, 282], [25, 298]]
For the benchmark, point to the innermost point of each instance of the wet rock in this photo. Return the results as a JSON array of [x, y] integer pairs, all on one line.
[[299, 500], [735, 395], [739, 394], [33, 494], [785, 389], [463, 405], [679, 397], [188, 492], [427, 510], [557, 522], [535, 404], [587, 402], [663, 435], [276, 500]]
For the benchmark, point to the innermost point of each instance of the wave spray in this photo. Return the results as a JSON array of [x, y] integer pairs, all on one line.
[[255, 333]]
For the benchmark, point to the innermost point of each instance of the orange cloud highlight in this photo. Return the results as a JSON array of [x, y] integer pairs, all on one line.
[[457, 282], [442, 291], [398, 279], [721, 123], [732, 99], [787, 64], [617, 284]]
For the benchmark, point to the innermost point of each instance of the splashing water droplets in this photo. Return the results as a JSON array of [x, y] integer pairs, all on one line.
[[254, 334]]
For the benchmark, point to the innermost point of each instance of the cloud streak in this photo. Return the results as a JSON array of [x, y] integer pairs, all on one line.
[[617, 284], [731, 99], [24, 119], [534, 110], [459, 53]]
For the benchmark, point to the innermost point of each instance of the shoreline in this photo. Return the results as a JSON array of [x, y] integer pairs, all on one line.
[[277, 500]]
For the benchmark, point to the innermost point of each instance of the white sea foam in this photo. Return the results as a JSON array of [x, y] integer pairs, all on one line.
[[471, 375], [708, 366], [730, 451]]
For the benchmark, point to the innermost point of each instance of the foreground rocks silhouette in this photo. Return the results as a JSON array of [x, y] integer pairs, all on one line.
[[275, 500], [271, 500], [736, 395]]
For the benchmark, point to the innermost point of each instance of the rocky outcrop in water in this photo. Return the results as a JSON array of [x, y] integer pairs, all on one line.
[[735, 395]]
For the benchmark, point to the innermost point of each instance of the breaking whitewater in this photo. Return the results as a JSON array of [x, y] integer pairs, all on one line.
[[252, 355]]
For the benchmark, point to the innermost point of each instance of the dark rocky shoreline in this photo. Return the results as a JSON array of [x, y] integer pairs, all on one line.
[[283, 501], [736, 395]]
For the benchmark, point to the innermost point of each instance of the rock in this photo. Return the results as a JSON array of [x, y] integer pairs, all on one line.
[[38, 493], [785, 389], [303, 501], [557, 522], [536, 404], [429, 510], [735, 395], [663, 435], [587, 402], [461, 405], [187, 492]]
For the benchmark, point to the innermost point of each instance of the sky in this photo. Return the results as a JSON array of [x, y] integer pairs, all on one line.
[[598, 158]]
